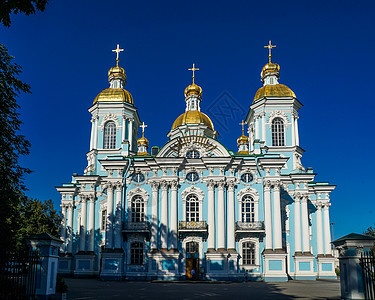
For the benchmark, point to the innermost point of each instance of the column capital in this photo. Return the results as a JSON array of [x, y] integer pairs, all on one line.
[[91, 198], [267, 185], [164, 185], [231, 185], [304, 198], [210, 185], [319, 205], [174, 185], [154, 186], [276, 184], [326, 205], [119, 184], [221, 184], [108, 185]]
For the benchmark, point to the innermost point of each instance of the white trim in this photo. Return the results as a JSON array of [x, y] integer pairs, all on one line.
[[254, 194], [200, 243], [196, 191], [133, 192], [255, 241]]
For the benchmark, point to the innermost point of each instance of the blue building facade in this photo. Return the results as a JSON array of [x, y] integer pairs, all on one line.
[[193, 209]]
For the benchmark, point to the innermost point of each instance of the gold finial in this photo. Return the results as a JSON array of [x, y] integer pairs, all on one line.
[[243, 124], [143, 126], [117, 50], [270, 46], [193, 69]]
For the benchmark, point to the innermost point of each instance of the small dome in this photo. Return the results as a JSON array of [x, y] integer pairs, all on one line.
[[243, 139], [277, 90], [193, 89], [193, 117], [114, 95], [143, 142], [270, 67], [115, 71]]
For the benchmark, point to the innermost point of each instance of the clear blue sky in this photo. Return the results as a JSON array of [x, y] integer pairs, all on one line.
[[325, 50]]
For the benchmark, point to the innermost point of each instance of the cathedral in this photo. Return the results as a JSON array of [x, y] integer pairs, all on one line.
[[192, 209]]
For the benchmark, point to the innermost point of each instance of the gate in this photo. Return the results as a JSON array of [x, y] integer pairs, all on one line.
[[18, 274], [367, 263]]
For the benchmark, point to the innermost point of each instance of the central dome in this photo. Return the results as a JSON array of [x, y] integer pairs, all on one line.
[[114, 95], [193, 117], [276, 90]]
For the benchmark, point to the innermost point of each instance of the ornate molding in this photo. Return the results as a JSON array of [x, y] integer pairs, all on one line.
[[110, 117], [248, 191], [192, 190], [278, 114], [137, 191]]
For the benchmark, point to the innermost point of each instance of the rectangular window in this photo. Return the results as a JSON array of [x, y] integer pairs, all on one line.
[[104, 218], [248, 253]]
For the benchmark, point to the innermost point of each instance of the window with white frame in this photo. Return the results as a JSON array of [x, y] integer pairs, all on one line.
[[278, 132], [192, 208], [137, 209], [247, 209], [104, 218], [248, 253], [136, 253], [109, 139], [192, 247]]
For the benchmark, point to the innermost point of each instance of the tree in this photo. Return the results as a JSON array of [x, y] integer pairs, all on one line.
[[34, 217], [28, 7], [370, 231], [12, 145]]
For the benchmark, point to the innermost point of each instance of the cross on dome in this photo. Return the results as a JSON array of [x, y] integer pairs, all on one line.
[[270, 46], [143, 126], [193, 69], [243, 124], [117, 50]]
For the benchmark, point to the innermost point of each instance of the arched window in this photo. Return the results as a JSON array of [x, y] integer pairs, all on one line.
[[247, 209], [109, 140], [192, 247], [137, 209], [192, 208], [136, 253], [278, 132], [248, 253]]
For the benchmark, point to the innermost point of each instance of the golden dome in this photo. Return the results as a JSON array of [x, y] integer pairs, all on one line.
[[193, 117], [116, 71], [270, 67], [114, 95], [193, 89], [143, 142], [243, 139], [277, 90]]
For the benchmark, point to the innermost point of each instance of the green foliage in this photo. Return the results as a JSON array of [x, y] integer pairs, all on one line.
[[28, 7], [12, 145], [370, 231], [36, 217]]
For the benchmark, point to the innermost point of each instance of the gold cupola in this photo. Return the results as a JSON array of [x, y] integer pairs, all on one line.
[[269, 76], [142, 142], [117, 82], [193, 89], [243, 141]]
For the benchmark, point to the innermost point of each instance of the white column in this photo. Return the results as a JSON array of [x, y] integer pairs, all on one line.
[[70, 229], [92, 134], [327, 232], [305, 225], [164, 215], [118, 222], [130, 134], [296, 131], [256, 127], [231, 233], [109, 228], [264, 128], [211, 216], [63, 226], [277, 217], [91, 223], [154, 216], [82, 235], [123, 129], [319, 229], [221, 216], [297, 224], [268, 215], [293, 133], [174, 217], [96, 120]]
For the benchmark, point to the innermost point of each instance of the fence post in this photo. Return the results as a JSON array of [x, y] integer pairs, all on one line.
[[48, 247], [351, 279]]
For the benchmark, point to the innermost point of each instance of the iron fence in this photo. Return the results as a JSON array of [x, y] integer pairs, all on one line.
[[367, 262]]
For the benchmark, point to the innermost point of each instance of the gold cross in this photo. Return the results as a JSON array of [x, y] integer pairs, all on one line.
[[117, 50], [193, 69], [270, 46], [243, 124], [143, 126]]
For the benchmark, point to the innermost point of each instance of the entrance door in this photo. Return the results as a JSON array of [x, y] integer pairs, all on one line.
[[192, 260]]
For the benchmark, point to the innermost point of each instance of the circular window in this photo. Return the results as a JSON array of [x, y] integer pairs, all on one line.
[[247, 177], [192, 176], [193, 154], [138, 177]]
